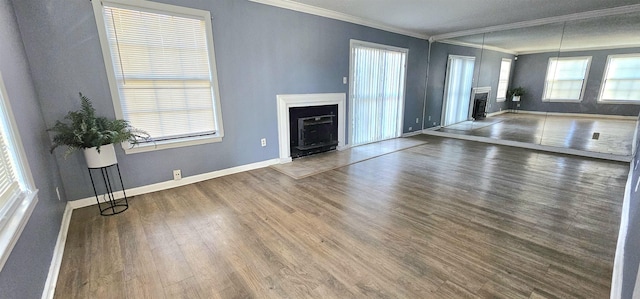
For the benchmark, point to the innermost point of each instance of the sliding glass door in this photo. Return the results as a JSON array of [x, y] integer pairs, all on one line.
[[457, 95], [376, 92]]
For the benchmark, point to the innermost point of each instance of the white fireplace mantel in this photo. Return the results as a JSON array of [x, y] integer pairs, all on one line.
[[286, 101]]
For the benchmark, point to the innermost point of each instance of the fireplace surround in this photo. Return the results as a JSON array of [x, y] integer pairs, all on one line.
[[287, 101]]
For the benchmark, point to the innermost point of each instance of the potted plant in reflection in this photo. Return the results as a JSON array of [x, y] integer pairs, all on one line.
[[95, 135], [516, 93]]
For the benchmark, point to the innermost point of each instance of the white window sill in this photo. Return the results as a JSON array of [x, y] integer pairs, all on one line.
[[167, 144], [501, 100], [15, 216], [562, 101], [618, 102]]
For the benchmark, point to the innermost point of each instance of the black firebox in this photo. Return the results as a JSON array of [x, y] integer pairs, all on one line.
[[313, 129]]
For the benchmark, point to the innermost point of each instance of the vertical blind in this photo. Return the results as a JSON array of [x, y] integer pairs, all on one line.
[[622, 80], [565, 78], [163, 73], [377, 95], [503, 81], [458, 91]]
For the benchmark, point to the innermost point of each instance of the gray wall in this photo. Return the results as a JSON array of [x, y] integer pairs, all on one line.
[[486, 73], [530, 72], [261, 51], [24, 274]]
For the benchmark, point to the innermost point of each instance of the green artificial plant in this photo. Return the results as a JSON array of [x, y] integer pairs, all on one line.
[[86, 130]]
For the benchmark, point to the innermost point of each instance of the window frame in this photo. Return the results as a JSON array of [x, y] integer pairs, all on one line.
[[584, 80], [15, 214], [498, 98], [166, 9], [604, 81]]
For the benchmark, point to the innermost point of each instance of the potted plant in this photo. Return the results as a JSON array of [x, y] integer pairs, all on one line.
[[516, 93], [95, 135]]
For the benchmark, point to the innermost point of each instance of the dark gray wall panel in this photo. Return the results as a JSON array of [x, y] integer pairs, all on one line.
[[261, 51], [530, 72], [25, 272]]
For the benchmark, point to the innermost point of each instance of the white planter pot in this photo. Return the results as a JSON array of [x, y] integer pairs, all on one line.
[[516, 98], [106, 156]]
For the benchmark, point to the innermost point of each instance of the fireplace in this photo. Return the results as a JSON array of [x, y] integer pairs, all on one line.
[[313, 129], [286, 134]]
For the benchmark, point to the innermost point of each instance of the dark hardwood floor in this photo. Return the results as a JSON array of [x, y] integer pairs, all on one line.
[[448, 219]]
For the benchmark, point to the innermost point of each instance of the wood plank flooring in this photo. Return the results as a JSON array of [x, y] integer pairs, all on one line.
[[616, 135], [447, 219]]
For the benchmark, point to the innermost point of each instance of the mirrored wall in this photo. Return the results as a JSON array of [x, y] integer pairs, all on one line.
[[571, 85]]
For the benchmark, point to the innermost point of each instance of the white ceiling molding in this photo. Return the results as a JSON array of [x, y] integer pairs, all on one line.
[[544, 21], [313, 10], [471, 45], [613, 47]]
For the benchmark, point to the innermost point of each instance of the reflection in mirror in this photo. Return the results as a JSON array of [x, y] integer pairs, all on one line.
[[581, 83], [593, 92]]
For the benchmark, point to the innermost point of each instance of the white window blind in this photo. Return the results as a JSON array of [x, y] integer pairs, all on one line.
[[9, 185], [163, 71], [378, 78], [503, 81], [565, 78], [622, 79]]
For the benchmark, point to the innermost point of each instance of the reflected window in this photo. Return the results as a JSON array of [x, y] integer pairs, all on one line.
[[566, 77], [503, 82], [621, 83]]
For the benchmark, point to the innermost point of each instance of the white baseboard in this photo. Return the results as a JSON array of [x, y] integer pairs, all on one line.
[[551, 149], [431, 129], [412, 133], [498, 113], [606, 116], [58, 252], [56, 260], [89, 201]]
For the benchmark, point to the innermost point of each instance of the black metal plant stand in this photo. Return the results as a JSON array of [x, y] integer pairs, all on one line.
[[110, 205]]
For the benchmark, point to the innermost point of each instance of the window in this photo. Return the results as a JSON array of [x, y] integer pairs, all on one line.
[[161, 67], [621, 83], [566, 79], [17, 190], [503, 82]]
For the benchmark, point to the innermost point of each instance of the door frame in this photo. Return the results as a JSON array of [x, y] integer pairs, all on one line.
[[446, 87], [355, 42]]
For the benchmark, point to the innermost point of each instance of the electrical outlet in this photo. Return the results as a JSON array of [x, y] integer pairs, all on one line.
[[58, 193], [177, 175], [518, 105], [417, 120], [344, 80], [429, 117], [434, 123], [410, 128], [263, 142]]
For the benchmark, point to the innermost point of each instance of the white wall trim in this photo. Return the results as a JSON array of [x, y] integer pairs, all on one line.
[[89, 201], [606, 116], [552, 149], [412, 133], [498, 113], [286, 101], [58, 252], [472, 45], [331, 14], [543, 21]]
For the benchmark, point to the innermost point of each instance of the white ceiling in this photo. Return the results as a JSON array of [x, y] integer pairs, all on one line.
[[436, 17], [517, 26]]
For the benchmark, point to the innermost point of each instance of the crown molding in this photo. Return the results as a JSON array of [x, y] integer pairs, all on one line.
[[472, 45], [313, 10], [583, 49], [543, 21]]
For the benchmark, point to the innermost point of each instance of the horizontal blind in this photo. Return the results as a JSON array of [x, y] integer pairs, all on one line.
[[622, 82], [9, 186], [503, 81], [565, 78], [162, 69]]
